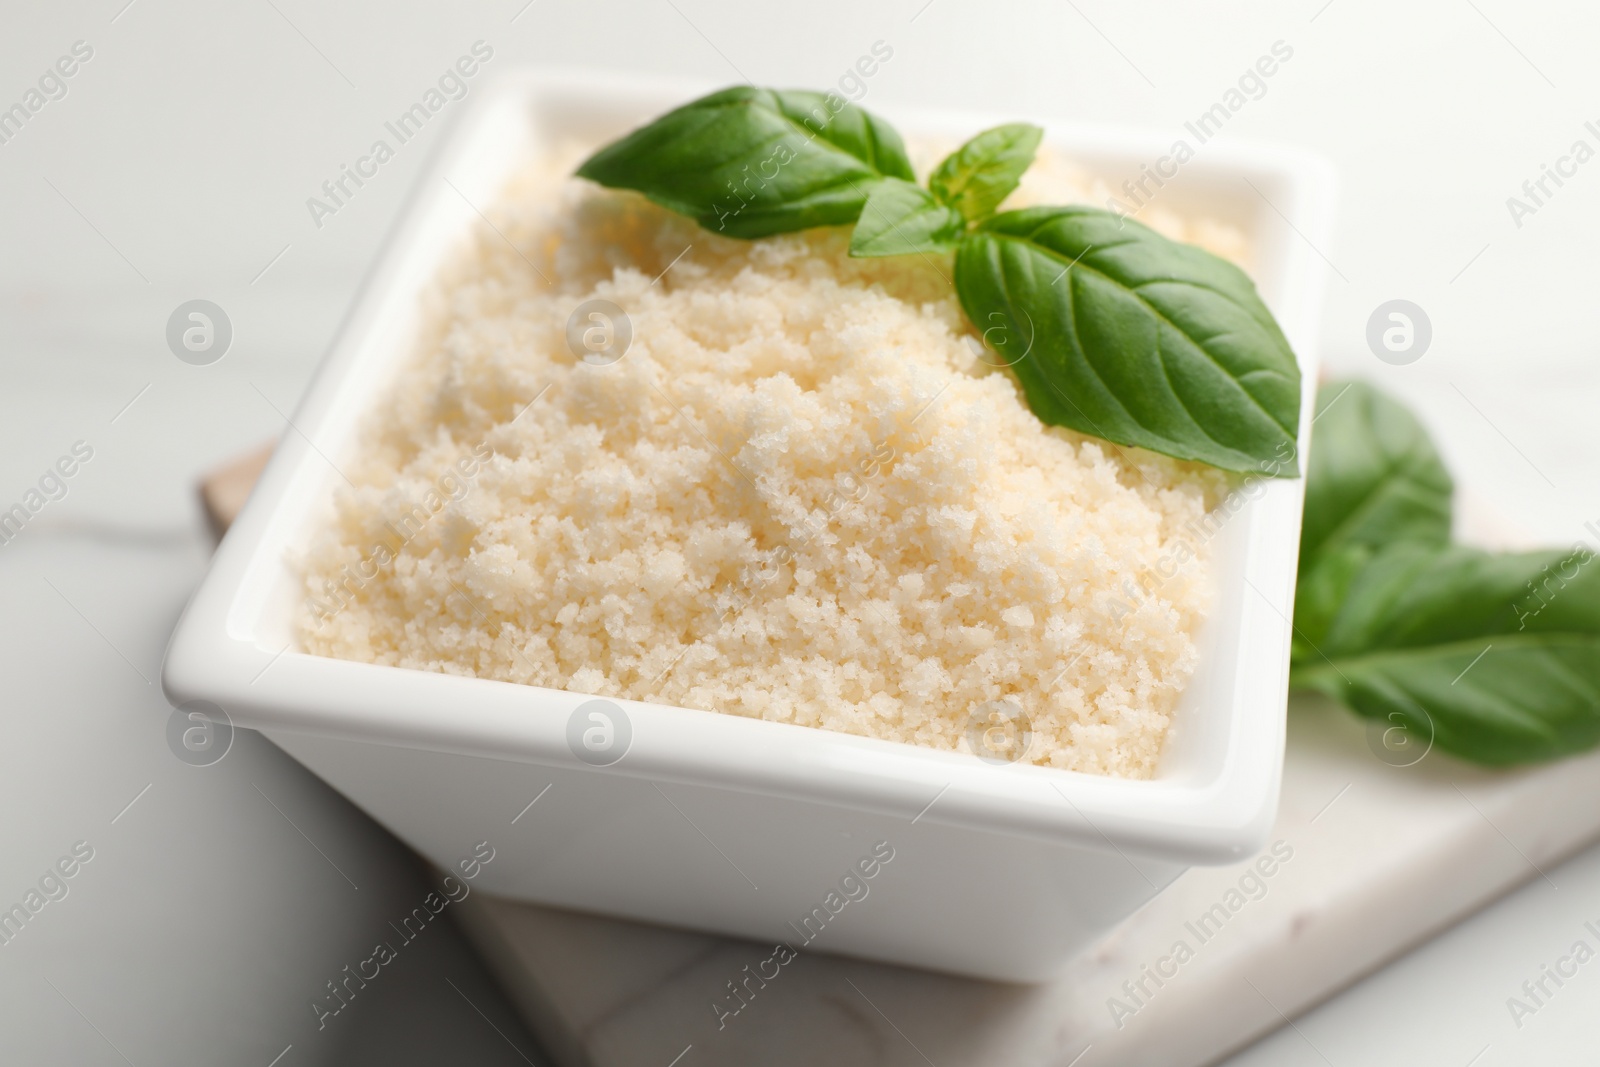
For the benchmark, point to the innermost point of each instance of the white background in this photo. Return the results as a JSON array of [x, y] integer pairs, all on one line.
[[179, 164]]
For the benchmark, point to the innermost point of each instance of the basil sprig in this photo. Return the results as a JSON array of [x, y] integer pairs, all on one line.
[[1494, 657], [1111, 329]]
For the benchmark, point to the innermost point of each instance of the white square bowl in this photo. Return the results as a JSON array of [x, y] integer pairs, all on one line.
[[736, 825]]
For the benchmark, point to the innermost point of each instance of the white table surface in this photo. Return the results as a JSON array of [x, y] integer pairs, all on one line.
[[179, 163]]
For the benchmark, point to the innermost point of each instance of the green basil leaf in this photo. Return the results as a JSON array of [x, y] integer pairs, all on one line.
[[1494, 657], [1115, 331], [976, 177], [902, 217], [748, 162], [1373, 478]]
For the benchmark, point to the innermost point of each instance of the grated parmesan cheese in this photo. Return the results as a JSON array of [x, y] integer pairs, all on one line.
[[802, 495]]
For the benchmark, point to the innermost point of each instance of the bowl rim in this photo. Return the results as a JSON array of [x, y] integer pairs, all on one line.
[[215, 653]]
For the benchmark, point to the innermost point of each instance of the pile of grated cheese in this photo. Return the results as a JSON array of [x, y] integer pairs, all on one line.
[[802, 495]]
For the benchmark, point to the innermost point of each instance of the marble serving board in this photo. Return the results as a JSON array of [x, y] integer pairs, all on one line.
[[1377, 846]]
